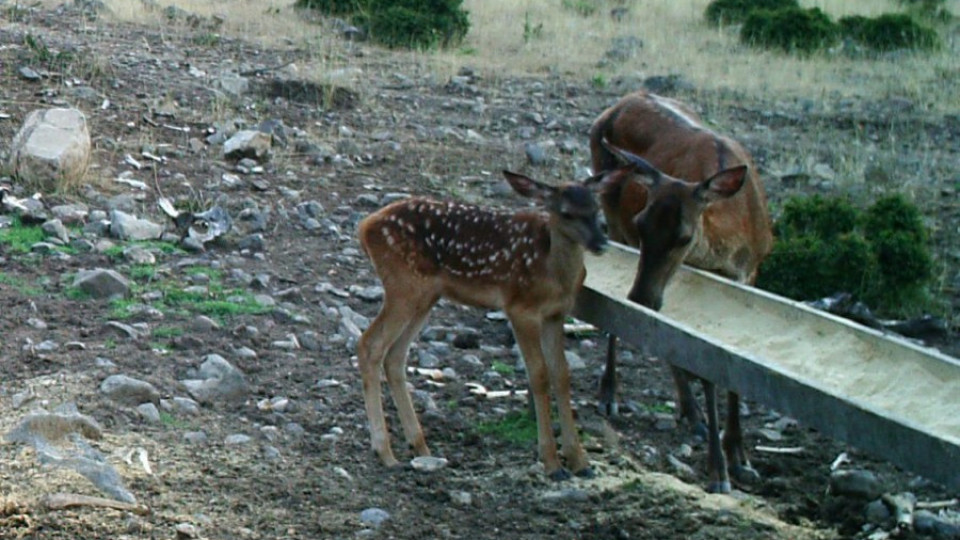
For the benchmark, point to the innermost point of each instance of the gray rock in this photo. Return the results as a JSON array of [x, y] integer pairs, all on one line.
[[149, 412], [237, 439], [54, 427], [877, 513], [138, 255], [857, 483], [55, 229], [195, 437], [664, 422], [248, 144], [218, 381], [102, 283], [52, 148], [185, 405], [374, 517], [428, 463], [129, 391], [129, 227], [537, 153], [929, 524], [70, 214], [574, 361]]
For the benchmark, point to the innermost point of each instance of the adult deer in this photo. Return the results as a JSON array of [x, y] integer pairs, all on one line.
[[696, 198], [529, 264]]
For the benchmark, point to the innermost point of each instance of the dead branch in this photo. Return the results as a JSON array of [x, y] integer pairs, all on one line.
[[65, 501]]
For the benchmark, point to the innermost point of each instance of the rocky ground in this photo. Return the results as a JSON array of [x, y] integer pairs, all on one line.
[[274, 443]]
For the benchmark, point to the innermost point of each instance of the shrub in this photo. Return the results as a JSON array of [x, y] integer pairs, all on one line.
[[826, 245], [331, 7], [888, 32], [418, 24], [931, 9], [789, 29], [816, 216], [736, 11], [807, 267]]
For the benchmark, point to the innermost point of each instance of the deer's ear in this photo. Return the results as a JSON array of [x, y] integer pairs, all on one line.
[[528, 187], [722, 185], [637, 163]]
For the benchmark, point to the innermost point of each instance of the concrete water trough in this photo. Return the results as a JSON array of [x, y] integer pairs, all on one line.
[[877, 392]]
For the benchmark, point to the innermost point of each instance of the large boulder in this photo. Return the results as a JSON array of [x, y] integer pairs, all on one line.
[[52, 149]]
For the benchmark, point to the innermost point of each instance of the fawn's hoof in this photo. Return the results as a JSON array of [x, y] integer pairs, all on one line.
[[559, 475]]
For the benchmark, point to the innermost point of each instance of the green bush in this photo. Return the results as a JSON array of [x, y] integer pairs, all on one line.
[[792, 30], [736, 11], [816, 216], [807, 267], [930, 9], [826, 245], [888, 32], [331, 7], [417, 24]]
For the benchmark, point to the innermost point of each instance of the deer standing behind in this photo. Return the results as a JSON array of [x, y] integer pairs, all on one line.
[[528, 263], [696, 198]]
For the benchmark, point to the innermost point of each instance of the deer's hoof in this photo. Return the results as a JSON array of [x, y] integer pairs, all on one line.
[[608, 408], [586, 472], [719, 487], [745, 475], [559, 475]]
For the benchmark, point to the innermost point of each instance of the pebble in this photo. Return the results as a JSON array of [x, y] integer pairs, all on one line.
[[428, 463], [374, 517], [237, 439]]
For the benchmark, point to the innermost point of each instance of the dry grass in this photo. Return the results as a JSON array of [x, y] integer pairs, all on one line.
[[560, 41]]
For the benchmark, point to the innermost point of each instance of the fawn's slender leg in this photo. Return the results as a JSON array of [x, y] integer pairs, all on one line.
[[395, 367], [371, 351], [737, 458], [552, 342], [607, 393], [717, 465], [527, 330]]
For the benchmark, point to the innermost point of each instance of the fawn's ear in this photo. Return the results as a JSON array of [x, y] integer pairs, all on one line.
[[528, 187], [722, 185]]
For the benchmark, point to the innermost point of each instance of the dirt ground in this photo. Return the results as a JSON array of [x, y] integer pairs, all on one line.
[[308, 471]]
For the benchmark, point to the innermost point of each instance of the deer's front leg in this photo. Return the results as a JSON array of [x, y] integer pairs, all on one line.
[[527, 330], [552, 341]]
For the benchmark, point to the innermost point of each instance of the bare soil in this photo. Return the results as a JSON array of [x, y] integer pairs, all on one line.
[[408, 132]]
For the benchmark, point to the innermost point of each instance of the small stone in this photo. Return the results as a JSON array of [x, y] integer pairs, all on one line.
[[664, 422], [428, 463], [237, 439], [858, 483], [374, 517], [195, 437], [149, 412]]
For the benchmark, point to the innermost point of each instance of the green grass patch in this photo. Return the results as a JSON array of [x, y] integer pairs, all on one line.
[[503, 368], [516, 427], [18, 284], [167, 332], [19, 238], [209, 298]]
